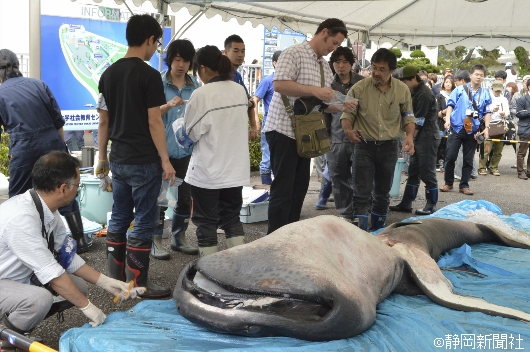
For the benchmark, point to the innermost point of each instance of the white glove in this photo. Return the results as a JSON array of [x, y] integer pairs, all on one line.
[[105, 183], [94, 314], [121, 290]]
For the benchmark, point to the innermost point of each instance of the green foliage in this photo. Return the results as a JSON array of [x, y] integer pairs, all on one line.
[[417, 54], [522, 58], [460, 58], [398, 52], [254, 149], [4, 151], [421, 63]]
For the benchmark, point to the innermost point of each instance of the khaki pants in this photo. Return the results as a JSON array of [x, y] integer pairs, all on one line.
[[521, 154], [495, 158]]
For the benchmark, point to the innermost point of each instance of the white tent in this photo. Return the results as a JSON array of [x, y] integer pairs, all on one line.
[[486, 23]]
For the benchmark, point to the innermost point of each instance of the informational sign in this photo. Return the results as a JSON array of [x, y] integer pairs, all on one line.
[[273, 41], [75, 53]]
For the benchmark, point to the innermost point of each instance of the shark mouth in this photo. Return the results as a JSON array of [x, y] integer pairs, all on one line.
[[211, 292]]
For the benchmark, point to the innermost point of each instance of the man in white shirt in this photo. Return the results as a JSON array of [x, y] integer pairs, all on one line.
[[40, 272]]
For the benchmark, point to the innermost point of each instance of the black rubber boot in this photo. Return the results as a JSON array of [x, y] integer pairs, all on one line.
[[179, 241], [377, 221], [137, 268], [432, 198], [76, 227], [361, 221], [157, 248], [409, 195], [116, 243]]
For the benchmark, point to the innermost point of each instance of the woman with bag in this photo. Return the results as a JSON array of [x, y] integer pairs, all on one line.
[[447, 87], [216, 122], [500, 112]]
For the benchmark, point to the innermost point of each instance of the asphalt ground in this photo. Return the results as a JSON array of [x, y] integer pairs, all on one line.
[[507, 191]]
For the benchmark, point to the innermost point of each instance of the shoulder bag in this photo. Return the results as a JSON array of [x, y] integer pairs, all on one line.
[[498, 128], [312, 138]]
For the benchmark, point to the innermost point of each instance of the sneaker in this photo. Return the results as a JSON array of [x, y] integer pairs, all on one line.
[[495, 173], [474, 177], [513, 167], [482, 172], [457, 177], [522, 176]]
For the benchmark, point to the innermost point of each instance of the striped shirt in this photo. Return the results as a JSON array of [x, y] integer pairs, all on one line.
[[298, 63], [23, 250]]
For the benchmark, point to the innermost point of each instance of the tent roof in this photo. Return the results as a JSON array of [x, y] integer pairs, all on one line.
[[488, 24]]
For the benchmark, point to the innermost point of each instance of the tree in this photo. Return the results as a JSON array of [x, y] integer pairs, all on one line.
[[524, 62], [398, 52], [422, 63], [417, 54]]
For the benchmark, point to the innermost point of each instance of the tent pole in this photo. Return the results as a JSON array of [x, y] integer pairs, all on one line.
[[34, 39]]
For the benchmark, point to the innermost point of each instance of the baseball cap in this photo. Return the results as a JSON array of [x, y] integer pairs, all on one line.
[[526, 77], [497, 86], [508, 64], [409, 71]]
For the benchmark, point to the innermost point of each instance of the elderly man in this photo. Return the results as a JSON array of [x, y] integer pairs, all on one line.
[[40, 272], [384, 108], [298, 73]]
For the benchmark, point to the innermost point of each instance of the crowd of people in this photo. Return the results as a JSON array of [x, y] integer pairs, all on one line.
[[165, 126]]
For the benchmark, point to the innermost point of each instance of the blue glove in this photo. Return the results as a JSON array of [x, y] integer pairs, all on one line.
[[181, 137]]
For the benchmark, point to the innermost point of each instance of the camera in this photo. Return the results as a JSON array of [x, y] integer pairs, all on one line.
[[479, 138], [475, 114]]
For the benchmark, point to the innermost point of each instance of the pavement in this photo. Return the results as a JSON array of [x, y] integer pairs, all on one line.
[[507, 191]]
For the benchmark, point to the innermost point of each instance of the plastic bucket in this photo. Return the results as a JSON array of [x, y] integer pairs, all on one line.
[[93, 202], [394, 191]]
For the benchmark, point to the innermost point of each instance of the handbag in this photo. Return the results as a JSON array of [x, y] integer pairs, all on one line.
[[498, 128], [311, 135]]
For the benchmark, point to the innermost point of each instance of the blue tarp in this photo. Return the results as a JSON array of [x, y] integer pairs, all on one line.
[[403, 323]]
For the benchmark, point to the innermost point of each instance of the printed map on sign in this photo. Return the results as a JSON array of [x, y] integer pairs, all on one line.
[[88, 55]]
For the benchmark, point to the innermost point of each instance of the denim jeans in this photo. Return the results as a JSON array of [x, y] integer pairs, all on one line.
[[373, 175], [468, 143], [423, 163], [265, 164], [291, 181], [135, 187], [339, 163]]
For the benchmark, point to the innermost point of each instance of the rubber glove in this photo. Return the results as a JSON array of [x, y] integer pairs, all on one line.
[[94, 314], [121, 290], [181, 137]]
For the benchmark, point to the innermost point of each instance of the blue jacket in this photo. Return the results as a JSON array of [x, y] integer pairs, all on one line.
[[171, 91], [459, 100]]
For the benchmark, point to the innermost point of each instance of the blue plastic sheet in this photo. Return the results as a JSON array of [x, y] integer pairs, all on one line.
[[403, 323]]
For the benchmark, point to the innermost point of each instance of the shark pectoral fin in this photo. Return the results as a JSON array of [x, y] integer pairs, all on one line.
[[438, 288], [510, 236]]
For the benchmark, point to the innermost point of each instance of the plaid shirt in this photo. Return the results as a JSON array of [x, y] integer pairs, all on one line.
[[297, 63]]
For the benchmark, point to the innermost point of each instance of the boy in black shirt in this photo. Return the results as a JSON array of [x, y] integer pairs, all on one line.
[[133, 93]]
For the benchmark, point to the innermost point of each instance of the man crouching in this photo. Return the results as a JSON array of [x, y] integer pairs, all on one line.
[[40, 272]]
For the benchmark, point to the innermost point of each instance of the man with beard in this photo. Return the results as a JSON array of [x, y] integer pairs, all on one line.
[[375, 127]]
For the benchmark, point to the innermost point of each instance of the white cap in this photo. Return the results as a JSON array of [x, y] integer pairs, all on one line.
[[508, 63]]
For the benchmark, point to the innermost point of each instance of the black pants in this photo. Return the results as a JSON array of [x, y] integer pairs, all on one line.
[[373, 173], [183, 206], [291, 180], [454, 141], [213, 208]]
